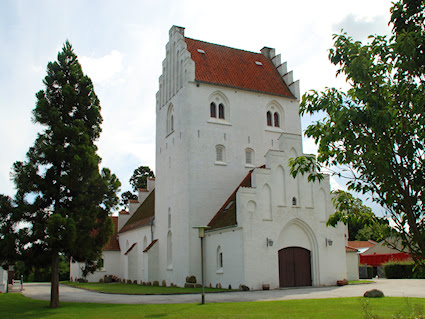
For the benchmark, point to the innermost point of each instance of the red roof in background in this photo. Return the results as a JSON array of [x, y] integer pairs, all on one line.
[[113, 243], [235, 68], [362, 243], [350, 249]]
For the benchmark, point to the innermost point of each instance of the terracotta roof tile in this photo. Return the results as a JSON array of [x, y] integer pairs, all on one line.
[[226, 216], [350, 249], [130, 249], [124, 212], [143, 215], [362, 243], [150, 245], [236, 68], [113, 243]]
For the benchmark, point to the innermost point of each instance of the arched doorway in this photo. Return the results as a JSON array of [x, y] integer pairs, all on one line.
[[294, 267]]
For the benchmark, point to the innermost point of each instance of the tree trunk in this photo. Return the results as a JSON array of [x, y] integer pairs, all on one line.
[[54, 285]]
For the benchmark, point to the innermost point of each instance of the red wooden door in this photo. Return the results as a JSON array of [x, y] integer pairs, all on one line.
[[294, 267]]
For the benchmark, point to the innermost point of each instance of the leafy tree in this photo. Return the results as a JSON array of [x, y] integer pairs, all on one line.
[[362, 223], [140, 177], [63, 200], [376, 130], [126, 196]]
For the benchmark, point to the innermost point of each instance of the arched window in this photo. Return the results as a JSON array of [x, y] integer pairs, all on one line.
[[221, 111], [170, 119], [249, 156], [219, 153], [213, 110], [276, 120], [219, 108], [219, 258], [169, 250], [169, 218], [269, 118]]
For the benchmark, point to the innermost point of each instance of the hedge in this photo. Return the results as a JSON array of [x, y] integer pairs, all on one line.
[[403, 270]]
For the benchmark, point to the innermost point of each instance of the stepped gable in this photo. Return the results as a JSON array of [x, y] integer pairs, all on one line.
[[113, 243], [221, 65], [226, 216], [143, 215]]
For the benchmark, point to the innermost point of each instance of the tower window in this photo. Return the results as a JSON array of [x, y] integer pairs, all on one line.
[[269, 118], [219, 154], [213, 110], [221, 111], [249, 156], [276, 120]]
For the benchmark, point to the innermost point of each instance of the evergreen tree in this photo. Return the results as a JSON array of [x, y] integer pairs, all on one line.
[[140, 177], [62, 197]]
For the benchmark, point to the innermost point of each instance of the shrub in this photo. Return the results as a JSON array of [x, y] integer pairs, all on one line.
[[164, 283], [403, 270], [155, 283]]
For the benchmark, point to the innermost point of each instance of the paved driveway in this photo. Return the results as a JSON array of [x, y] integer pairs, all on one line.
[[390, 287]]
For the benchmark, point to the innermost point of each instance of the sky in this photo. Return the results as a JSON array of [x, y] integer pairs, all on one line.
[[121, 45]]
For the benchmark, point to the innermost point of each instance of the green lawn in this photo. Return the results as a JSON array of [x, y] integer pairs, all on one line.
[[134, 289], [17, 306]]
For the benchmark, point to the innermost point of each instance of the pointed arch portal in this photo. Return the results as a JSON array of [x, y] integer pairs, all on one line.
[[294, 267]]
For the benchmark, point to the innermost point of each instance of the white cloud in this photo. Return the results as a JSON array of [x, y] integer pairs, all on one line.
[[103, 69]]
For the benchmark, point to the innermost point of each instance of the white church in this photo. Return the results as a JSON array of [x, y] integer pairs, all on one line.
[[227, 123]]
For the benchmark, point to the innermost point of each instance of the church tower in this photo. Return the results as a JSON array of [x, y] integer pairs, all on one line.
[[219, 111]]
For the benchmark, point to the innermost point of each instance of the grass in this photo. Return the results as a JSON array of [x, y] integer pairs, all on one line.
[[134, 289], [17, 306]]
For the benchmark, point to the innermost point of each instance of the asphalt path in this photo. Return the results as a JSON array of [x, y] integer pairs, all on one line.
[[390, 287]]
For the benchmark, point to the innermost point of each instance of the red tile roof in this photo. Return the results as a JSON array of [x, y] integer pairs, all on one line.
[[236, 68], [350, 249], [150, 245], [113, 244], [124, 212], [362, 243], [143, 215], [130, 249], [226, 216]]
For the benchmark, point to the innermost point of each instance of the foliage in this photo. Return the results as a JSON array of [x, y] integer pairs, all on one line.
[[375, 132], [62, 203], [403, 270], [41, 274], [362, 222], [140, 176], [126, 196], [18, 306]]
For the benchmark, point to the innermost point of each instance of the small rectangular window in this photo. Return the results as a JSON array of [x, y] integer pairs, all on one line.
[[221, 260]]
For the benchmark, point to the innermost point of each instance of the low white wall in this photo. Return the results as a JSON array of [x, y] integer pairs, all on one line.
[[352, 266], [111, 266]]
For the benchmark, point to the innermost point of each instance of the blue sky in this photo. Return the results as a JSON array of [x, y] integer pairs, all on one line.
[[121, 45]]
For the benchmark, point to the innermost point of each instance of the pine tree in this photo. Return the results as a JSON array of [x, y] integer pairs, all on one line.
[[62, 197]]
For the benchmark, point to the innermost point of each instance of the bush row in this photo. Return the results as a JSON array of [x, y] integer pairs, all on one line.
[[403, 270]]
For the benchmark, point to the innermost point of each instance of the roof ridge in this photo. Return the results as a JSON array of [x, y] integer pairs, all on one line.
[[226, 46]]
